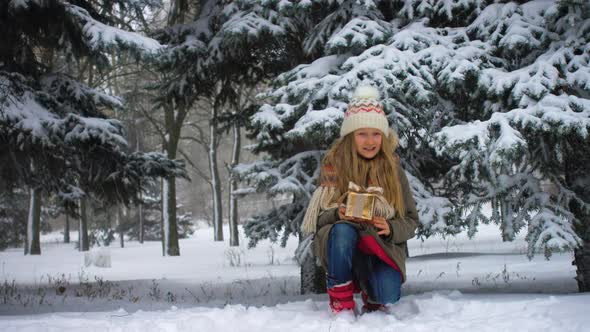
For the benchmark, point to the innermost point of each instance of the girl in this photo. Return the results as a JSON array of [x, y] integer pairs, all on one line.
[[366, 256]]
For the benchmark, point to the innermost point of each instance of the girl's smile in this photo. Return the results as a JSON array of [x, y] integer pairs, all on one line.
[[368, 142]]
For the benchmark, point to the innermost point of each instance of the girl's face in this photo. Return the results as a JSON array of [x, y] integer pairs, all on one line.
[[368, 142]]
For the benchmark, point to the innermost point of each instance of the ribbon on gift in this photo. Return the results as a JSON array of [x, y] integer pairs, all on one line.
[[359, 189]]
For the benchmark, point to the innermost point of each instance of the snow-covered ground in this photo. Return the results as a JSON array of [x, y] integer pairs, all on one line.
[[453, 284]]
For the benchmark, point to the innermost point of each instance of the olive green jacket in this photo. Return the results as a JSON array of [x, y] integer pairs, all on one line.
[[394, 245]]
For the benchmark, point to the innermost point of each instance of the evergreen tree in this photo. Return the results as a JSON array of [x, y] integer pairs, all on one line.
[[526, 150], [54, 132], [490, 101]]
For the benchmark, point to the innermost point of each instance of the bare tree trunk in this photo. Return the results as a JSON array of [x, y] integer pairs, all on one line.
[[174, 118], [234, 240], [120, 227], [169, 211], [138, 139], [83, 244], [582, 253], [33, 245], [162, 213], [141, 226], [67, 230], [215, 182]]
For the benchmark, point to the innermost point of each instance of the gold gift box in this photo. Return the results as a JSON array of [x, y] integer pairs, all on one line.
[[360, 205]]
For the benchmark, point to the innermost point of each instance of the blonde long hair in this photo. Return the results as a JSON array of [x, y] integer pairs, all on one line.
[[383, 170]]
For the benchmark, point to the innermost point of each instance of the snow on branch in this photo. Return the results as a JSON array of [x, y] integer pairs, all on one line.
[[21, 112], [295, 175], [331, 26], [253, 23], [358, 34], [515, 28], [561, 114], [432, 209], [448, 10], [68, 89], [79, 130], [101, 37], [35, 115], [525, 86], [551, 231], [156, 164], [326, 121]]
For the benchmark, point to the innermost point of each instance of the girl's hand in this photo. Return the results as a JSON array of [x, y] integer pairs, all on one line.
[[382, 225], [342, 212], [379, 222]]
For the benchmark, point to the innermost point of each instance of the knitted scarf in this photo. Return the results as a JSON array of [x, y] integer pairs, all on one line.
[[326, 197]]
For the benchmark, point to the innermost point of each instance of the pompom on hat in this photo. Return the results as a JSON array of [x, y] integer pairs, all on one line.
[[365, 111]]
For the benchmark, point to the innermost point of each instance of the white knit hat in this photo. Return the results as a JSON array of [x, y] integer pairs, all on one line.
[[364, 111]]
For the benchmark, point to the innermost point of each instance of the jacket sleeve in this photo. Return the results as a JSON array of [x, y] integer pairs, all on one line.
[[327, 217], [403, 229]]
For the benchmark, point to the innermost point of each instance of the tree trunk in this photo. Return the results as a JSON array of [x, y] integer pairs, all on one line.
[[174, 118], [582, 261], [507, 224], [170, 233], [162, 205], [138, 148], [582, 253], [67, 230], [83, 244], [178, 12], [33, 245], [141, 227], [120, 227], [234, 240], [215, 182]]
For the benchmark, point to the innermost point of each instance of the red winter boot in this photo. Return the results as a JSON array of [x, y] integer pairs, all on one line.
[[341, 297], [368, 306]]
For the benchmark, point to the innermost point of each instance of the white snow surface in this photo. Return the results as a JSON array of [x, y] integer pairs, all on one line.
[[453, 284]]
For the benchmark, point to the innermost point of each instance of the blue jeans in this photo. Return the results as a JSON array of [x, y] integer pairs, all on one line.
[[384, 282]]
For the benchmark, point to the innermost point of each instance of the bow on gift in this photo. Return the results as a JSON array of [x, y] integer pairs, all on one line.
[[359, 189]]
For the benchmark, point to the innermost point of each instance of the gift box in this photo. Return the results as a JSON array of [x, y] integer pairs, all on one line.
[[360, 205]]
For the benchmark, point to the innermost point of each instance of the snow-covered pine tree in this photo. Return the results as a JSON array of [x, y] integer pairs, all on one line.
[[346, 42], [527, 151], [54, 132], [490, 101]]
